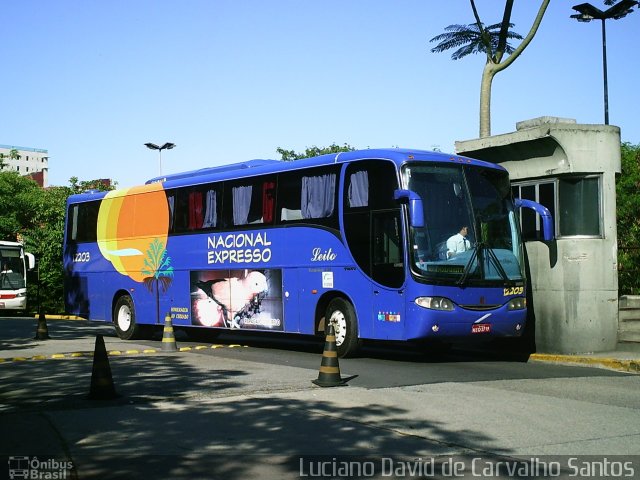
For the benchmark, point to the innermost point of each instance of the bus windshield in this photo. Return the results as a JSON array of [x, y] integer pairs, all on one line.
[[11, 269], [470, 232]]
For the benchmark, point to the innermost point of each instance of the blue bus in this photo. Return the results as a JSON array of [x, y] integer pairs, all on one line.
[[389, 244]]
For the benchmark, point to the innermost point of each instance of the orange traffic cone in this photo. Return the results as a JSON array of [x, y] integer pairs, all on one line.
[[168, 338], [329, 375], [42, 332], [102, 387]]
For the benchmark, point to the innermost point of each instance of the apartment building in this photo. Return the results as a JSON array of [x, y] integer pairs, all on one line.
[[33, 162]]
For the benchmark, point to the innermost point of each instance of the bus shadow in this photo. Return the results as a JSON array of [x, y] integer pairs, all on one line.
[[393, 351], [176, 420], [20, 333]]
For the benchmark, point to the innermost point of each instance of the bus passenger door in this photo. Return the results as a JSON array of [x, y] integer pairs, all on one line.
[[290, 303], [387, 271]]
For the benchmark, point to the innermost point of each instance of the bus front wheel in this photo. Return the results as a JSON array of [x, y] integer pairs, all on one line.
[[124, 318], [342, 316]]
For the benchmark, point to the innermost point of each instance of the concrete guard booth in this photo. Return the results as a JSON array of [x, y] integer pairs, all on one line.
[[571, 169]]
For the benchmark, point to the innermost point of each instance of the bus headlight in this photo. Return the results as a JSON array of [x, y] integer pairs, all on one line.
[[435, 303], [518, 303]]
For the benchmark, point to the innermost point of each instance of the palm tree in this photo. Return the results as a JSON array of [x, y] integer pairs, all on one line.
[[493, 42], [159, 271]]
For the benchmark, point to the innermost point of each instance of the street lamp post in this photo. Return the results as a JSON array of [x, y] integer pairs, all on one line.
[[166, 146], [586, 13]]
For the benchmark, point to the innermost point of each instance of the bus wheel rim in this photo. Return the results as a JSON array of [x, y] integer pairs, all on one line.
[[124, 318], [339, 323]]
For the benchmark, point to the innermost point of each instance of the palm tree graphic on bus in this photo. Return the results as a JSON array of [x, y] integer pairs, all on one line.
[[158, 271]]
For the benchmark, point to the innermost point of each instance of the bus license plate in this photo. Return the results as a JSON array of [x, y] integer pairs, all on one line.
[[481, 328]]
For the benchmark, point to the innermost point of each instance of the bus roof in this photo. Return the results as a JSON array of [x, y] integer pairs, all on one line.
[[258, 167], [4, 243]]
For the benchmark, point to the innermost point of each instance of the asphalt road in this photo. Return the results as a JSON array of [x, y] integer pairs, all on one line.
[[247, 407]]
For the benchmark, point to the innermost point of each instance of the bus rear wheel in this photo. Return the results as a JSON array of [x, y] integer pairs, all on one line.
[[124, 318], [342, 316]]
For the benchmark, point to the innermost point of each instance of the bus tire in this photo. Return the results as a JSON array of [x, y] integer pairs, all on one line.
[[124, 318], [342, 316]]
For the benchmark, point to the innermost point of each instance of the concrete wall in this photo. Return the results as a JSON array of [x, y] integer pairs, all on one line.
[[629, 322], [574, 280]]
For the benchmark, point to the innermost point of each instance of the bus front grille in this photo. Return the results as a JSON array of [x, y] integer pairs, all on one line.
[[480, 307]]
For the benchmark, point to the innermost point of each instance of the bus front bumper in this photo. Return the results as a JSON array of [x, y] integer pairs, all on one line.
[[461, 323], [9, 302]]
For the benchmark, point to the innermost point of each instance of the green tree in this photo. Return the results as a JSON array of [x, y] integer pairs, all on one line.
[[80, 186], [494, 43], [628, 221], [40, 214], [44, 239], [290, 155], [18, 203]]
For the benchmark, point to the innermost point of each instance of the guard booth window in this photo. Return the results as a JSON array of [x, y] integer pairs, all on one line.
[[543, 193], [578, 199], [573, 201]]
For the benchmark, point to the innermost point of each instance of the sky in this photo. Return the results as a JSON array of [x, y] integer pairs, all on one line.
[[92, 81]]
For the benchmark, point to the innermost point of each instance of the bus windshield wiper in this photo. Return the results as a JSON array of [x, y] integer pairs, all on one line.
[[467, 268], [496, 263], [483, 248]]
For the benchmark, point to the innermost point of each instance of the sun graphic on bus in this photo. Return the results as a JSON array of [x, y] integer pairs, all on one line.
[[129, 220]]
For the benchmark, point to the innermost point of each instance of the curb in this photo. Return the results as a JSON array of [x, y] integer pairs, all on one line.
[[60, 317], [111, 353], [60, 356], [630, 366]]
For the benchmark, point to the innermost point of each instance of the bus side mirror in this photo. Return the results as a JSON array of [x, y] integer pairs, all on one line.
[[31, 261], [416, 210], [547, 220]]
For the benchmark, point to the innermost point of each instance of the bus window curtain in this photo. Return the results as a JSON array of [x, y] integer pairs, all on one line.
[[268, 201], [359, 189], [211, 210], [318, 196], [172, 201], [195, 210], [241, 204]]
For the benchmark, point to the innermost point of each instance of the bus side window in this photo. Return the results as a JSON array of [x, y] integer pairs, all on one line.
[[308, 197], [194, 208], [253, 201], [83, 222], [179, 222], [289, 191], [171, 204]]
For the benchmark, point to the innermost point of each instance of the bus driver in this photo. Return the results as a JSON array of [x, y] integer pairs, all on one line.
[[458, 243]]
